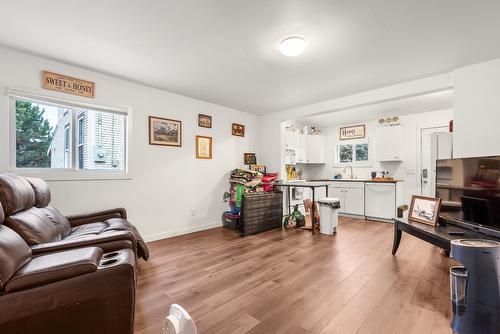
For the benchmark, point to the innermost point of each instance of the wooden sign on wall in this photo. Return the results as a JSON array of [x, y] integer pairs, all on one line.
[[352, 132], [65, 84]]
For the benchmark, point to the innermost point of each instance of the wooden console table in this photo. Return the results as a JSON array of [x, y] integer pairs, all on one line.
[[437, 235]]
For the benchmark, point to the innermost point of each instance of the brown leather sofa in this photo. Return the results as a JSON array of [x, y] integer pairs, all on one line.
[[45, 229], [74, 291]]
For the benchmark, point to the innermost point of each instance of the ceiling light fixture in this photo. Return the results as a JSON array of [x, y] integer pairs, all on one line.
[[292, 46]]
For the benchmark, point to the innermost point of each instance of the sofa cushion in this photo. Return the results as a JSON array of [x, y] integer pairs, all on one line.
[[2, 215], [109, 226], [87, 229], [41, 190], [33, 226], [16, 194], [14, 253], [58, 219]]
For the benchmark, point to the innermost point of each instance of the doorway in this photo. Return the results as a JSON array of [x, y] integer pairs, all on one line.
[[428, 154]]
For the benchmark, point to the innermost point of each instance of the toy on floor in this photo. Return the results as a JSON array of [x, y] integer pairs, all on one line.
[[178, 322]]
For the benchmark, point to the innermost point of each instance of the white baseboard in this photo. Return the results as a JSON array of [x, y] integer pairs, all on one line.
[[181, 231]]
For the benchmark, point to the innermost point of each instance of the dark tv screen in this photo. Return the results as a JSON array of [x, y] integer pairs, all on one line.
[[470, 190]]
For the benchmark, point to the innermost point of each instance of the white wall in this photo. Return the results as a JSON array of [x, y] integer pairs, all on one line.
[[166, 182], [407, 170], [477, 110]]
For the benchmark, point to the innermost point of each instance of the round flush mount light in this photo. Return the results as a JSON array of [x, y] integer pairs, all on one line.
[[292, 46]]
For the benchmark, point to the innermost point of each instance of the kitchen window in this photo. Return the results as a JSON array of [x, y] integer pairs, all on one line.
[[353, 153], [51, 135]]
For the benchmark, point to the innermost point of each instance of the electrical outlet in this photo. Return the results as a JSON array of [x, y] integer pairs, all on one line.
[[193, 212]]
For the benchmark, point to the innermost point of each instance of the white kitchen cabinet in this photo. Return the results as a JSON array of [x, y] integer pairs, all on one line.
[[315, 149], [300, 148], [381, 200], [355, 201], [289, 140], [351, 196], [389, 143], [338, 193]]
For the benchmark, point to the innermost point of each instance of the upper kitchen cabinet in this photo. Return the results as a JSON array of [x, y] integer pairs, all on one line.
[[300, 148], [388, 143], [315, 149]]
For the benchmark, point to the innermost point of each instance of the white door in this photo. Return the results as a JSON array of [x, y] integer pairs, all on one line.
[[428, 155], [338, 193], [355, 201]]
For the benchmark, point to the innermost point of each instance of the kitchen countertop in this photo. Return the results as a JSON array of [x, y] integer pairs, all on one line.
[[357, 180]]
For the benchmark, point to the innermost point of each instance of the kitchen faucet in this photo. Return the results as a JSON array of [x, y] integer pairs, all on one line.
[[351, 170]]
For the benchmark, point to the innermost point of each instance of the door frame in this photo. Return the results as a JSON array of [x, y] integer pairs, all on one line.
[[418, 173]]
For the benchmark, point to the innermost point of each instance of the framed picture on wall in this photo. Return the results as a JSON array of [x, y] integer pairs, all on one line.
[[249, 158], [238, 130], [204, 121], [165, 132], [203, 147], [424, 209], [352, 132]]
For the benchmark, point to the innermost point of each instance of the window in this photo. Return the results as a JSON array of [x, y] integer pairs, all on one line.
[[353, 154], [66, 136], [67, 146], [81, 135]]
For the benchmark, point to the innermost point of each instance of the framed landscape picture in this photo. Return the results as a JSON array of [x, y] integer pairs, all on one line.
[[424, 209], [165, 132], [238, 130], [204, 121], [203, 147]]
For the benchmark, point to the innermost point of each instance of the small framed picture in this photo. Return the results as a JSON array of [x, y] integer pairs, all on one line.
[[165, 132], [238, 130], [424, 210], [203, 147], [250, 158], [204, 121]]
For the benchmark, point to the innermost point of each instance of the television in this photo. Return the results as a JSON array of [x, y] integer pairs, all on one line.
[[469, 189]]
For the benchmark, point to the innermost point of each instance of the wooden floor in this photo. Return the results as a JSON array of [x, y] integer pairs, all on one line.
[[293, 282]]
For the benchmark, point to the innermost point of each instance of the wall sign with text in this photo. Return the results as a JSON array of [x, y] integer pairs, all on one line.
[[65, 84], [352, 132]]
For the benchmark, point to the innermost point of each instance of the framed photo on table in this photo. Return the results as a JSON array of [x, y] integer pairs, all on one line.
[[165, 132], [424, 210], [203, 147]]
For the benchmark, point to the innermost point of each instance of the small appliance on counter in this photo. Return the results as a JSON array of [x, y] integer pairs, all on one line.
[[475, 286]]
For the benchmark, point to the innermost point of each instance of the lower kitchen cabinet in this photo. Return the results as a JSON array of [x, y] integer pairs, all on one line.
[[351, 195], [373, 200]]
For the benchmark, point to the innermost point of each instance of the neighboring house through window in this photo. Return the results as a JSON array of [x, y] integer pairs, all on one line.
[[55, 135]]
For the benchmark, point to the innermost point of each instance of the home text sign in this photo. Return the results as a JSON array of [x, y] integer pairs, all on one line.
[[352, 132], [65, 84]]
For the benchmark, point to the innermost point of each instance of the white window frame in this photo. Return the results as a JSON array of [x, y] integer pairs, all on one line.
[[73, 173], [368, 163]]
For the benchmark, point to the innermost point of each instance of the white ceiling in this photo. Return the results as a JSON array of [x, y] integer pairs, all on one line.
[[225, 51], [405, 106]]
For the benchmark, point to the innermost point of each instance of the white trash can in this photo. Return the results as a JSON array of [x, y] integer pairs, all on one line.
[[329, 214]]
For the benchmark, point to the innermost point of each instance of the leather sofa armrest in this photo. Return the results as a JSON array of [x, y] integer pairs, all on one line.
[[99, 216], [55, 267], [84, 241]]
